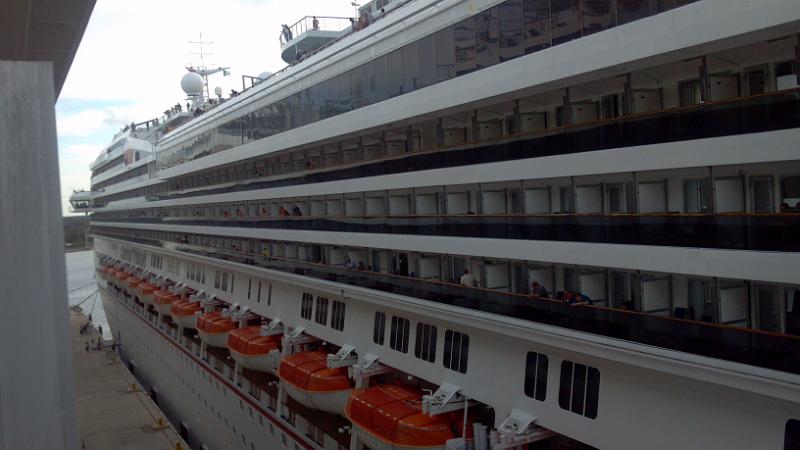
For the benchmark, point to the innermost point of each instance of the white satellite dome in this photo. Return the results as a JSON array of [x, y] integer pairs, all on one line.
[[218, 91], [265, 75], [192, 84]]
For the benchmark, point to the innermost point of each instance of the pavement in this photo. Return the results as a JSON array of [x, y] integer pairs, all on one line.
[[113, 413]]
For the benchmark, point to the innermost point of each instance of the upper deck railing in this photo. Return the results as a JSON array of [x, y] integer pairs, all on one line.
[[315, 23], [764, 349]]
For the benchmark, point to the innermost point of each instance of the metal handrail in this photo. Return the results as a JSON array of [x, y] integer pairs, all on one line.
[[323, 23]]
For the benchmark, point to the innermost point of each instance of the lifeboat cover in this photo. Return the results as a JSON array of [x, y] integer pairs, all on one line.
[[309, 371], [213, 322], [393, 413], [248, 341]]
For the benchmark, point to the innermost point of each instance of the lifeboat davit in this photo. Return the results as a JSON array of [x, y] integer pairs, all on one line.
[[309, 381], [213, 328], [163, 300], [183, 312], [390, 417], [252, 350]]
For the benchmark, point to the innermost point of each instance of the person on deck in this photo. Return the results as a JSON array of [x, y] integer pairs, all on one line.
[[537, 290], [467, 279]]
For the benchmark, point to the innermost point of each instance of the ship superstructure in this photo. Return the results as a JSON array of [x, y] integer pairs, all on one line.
[[476, 224]]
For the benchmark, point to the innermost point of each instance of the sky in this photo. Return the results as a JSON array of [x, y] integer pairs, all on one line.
[[133, 54]]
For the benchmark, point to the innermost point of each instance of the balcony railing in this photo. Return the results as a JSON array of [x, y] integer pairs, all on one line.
[[754, 232], [755, 114], [314, 23], [756, 348]]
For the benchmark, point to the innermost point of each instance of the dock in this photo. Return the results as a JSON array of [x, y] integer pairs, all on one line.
[[113, 412]]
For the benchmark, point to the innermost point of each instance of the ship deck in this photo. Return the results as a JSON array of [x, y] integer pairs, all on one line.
[[109, 413]]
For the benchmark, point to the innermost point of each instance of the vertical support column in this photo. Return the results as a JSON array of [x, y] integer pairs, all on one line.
[[384, 149], [566, 114], [704, 86], [797, 59], [629, 106], [713, 189], [476, 127], [516, 121], [410, 139], [32, 270], [439, 133]]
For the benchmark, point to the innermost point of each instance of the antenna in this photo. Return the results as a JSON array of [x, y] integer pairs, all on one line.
[[201, 69]]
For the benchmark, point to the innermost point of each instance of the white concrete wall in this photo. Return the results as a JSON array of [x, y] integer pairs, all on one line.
[[37, 403]]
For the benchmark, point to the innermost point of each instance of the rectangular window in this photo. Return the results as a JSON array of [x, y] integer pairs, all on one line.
[[456, 351], [322, 311], [337, 315], [425, 344], [791, 437], [536, 376], [224, 285], [305, 306], [216, 279], [380, 328], [580, 389], [258, 296], [249, 287], [398, 339]]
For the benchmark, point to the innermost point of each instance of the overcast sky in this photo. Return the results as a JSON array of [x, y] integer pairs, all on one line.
[[131, 59]]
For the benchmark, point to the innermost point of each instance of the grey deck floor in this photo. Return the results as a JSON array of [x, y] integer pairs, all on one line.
[[109, 416]]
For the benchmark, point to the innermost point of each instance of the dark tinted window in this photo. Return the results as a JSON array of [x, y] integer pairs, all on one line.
[[306, 305], [791, 439], [379, 329], [322, 311], [510, 30], [630, 10], [536, 25], [664, 5], [425, 343], [398, 339], [488, 45], [566, 20], [456, 351], [579, 389], [597, 15], [337, 315], [465, 45], [536, 366]]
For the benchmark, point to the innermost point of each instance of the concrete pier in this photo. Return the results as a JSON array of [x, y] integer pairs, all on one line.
[[110, 414]]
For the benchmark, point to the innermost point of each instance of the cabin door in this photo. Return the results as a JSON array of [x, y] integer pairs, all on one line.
[[767, 309]]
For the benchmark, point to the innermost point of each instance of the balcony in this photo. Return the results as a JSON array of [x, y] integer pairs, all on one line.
[[311, 33], [82, 201]]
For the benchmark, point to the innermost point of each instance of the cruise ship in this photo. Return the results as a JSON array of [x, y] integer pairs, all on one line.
[[472, 224]]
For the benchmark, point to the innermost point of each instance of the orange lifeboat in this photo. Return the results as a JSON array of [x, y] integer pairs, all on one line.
[[163, 301], [390, 417], [183, 312], [213, 328], [121, 278], [131, 285], [110, 273], [308, 380], [146, 292], [252, 350]]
